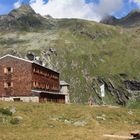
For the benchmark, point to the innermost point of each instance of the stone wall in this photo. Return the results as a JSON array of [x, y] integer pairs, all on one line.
[[65, 91], [20, 77], [20, 98]]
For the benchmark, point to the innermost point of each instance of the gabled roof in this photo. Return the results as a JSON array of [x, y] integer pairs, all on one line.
[[9, 55], [63, 83], [33, 62]]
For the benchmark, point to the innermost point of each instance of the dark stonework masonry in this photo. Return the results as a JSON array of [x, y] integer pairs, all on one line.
[[23, 78]]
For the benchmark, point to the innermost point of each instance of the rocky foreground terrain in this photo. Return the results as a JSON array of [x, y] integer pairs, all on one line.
[[23, 121], [86, 53]]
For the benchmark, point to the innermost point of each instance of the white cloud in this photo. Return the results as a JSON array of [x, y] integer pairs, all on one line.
[[135, 1], [76, 8], [17, 4], [109, 7], [64, 8]]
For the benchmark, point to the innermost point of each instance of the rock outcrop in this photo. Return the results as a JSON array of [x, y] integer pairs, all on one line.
[[132, 85]]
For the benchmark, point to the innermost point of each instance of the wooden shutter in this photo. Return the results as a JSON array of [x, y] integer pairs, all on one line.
[[5, 70], [34, 84], [11, 84], [11, 70], [5, 85]]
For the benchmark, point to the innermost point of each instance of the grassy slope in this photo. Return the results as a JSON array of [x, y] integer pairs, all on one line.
[[79, 58], [47, 122]]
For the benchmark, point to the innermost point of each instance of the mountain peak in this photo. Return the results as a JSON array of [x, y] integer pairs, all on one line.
[[133, 14], [135, 11], [25, 18], [24, 9], [131, 20], [108, 19]]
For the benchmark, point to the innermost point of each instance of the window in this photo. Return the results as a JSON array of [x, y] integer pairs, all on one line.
[[34, 70], [35, 84], [8, 70], [8, 84], [17, 100], [47, 86]]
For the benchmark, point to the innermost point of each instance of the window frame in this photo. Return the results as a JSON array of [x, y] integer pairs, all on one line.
[[8, 70], [8, 85]]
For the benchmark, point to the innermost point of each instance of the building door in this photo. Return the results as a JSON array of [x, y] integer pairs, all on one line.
[[55, 98]]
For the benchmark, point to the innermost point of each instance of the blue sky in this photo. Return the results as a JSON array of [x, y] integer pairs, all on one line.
[[39, 6], [127, 7]]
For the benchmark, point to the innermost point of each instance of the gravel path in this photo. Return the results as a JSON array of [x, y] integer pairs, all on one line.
[[117, 136]]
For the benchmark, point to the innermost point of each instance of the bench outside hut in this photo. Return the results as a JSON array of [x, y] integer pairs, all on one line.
[[135, 134]]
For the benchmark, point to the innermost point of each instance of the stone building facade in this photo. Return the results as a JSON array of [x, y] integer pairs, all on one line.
[[27, 81], [64, 90]]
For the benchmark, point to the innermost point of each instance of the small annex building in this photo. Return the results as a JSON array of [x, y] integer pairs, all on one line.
[[64, 90], [28, 81]]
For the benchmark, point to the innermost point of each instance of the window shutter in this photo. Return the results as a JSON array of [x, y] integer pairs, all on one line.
[[11, 84], [5, 85], [5, 70], [34, 84], [37, 85], [11, 70]]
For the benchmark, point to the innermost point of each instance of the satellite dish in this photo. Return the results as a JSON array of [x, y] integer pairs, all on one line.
[[30, 56]]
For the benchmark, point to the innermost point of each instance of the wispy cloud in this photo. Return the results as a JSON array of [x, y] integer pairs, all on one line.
[[64, 8], [106, 7], [17, 4], [135, 1], [76, 8]]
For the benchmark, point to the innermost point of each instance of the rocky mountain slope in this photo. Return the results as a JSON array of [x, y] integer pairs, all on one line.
[[131, 20], [24, 19], [86, 53]]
